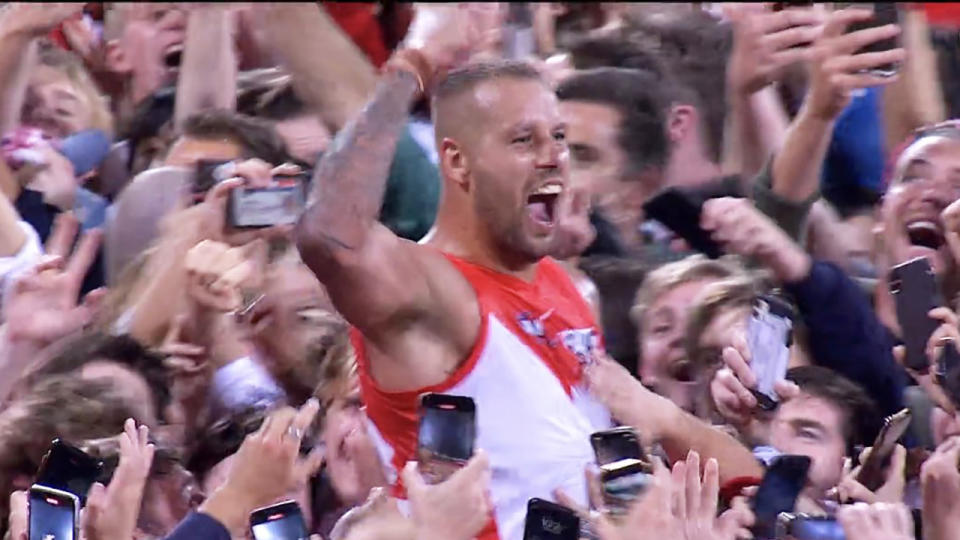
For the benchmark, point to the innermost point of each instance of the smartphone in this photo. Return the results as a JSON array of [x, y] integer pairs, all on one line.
[[252, 208], [617, 444], [778, 492], [948, 372], [622, 482], [680, 213], [550, 521], [871, 472], [69, 469], [518, 37], [806, 527], [281, 521], [446, 435], [915, 291], [769, 335], [884, 13], [53, 514]]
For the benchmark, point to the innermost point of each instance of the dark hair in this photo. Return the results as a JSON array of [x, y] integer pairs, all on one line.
[[463, 79], [256, 137], [222, 438], [276, 102], [615, 51], [861, 418], [123, 350], [696, 46], [642, 105]]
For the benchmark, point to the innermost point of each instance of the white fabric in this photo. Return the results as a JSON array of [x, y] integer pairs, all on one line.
[[537, 436], [12, 267]]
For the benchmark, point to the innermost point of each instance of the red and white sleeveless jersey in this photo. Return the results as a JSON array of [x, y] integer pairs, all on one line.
[[534, 416]]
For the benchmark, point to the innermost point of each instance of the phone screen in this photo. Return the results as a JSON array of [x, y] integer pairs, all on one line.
[[778, 492], [616, 444], [815, 528], [948, 372], [52, 517], [768, 338], [550, 521], [281, 522], [70, 469], [446, 434], [623, 481]]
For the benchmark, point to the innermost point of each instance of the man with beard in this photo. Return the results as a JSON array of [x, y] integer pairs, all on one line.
[[478, 309]]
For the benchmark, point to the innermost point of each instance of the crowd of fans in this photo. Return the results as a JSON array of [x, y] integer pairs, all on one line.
[[465, 197]]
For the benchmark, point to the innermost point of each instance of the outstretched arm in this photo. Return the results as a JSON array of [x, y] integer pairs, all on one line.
[[208, 78]]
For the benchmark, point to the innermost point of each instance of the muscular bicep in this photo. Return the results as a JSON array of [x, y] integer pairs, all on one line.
[[385, 282]]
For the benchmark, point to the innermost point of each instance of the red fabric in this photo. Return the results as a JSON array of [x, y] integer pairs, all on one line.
[[943, 14], [359, 21]]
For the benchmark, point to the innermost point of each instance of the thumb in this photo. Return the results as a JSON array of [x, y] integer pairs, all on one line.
[[412, 480], [475, 468]]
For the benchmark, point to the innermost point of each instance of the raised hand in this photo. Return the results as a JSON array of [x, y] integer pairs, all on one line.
[[269, 453], [743, 230], [835, 66], [766, 43], [449, 34], [19, 515], [42, 305], [893, 486], [112, 511], [695, 502], [730, 387], [946, 335], [940, 481], [36, 18], [456, 509], [216, 272], [628, 400], [880, 521]]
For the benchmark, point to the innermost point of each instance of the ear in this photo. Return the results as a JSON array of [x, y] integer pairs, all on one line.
[[453, 164], [681, 122], [116, 58]]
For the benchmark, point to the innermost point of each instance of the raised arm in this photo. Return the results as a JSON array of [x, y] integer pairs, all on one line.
[[833, 79], [20, 24], [331, 74], [208, 73]]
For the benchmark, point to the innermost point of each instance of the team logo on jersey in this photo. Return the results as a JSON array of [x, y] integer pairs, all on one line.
[[581, 343], [532, 326]]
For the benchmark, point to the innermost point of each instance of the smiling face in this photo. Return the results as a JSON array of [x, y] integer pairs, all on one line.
[[54, 104], [813, 427], [514, 165], [926, 181]]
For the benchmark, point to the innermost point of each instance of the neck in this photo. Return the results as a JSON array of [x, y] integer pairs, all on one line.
[[459, 233], [688, 166]]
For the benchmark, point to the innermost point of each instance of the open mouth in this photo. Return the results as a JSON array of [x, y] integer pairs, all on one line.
[[925, 234], [542, 203], [173, 56]]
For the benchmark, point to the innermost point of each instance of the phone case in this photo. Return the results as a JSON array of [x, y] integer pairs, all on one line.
[[550, 521], [436, 448], [948, 372], [62, 457], [769, 335], [680, 213], [276, 513], [914, 288], [778, 492], [894, 426], [622, 441], [884, 13]]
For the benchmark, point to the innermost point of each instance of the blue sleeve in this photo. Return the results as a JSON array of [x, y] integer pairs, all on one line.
[[197, 526], [846, 336]]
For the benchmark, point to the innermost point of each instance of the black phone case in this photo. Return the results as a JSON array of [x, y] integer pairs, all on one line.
[[541, 512], [948, 372], [622, 437], [871, 472], [884, 13], [680, 213], [778, 492], [287, 509], [447, 402], [63, 456], [914, 288]]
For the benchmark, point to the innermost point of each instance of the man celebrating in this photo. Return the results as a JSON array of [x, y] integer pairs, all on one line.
[[477, 310]]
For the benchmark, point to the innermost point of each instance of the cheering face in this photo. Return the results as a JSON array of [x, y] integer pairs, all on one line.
[[518, 166], [150, 47], [54, 105], [926, 181], [664, 367]]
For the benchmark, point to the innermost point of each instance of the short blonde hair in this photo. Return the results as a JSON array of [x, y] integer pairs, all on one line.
[[672, 275]]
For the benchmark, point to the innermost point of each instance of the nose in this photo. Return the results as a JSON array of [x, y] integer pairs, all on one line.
[[174, 19], [550, 153]]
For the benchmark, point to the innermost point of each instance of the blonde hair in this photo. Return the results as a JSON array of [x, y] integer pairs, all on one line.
[[672, 275], [72, 67]]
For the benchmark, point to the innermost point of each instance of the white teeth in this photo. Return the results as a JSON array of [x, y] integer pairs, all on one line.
[[929, 225], [550, 189]]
